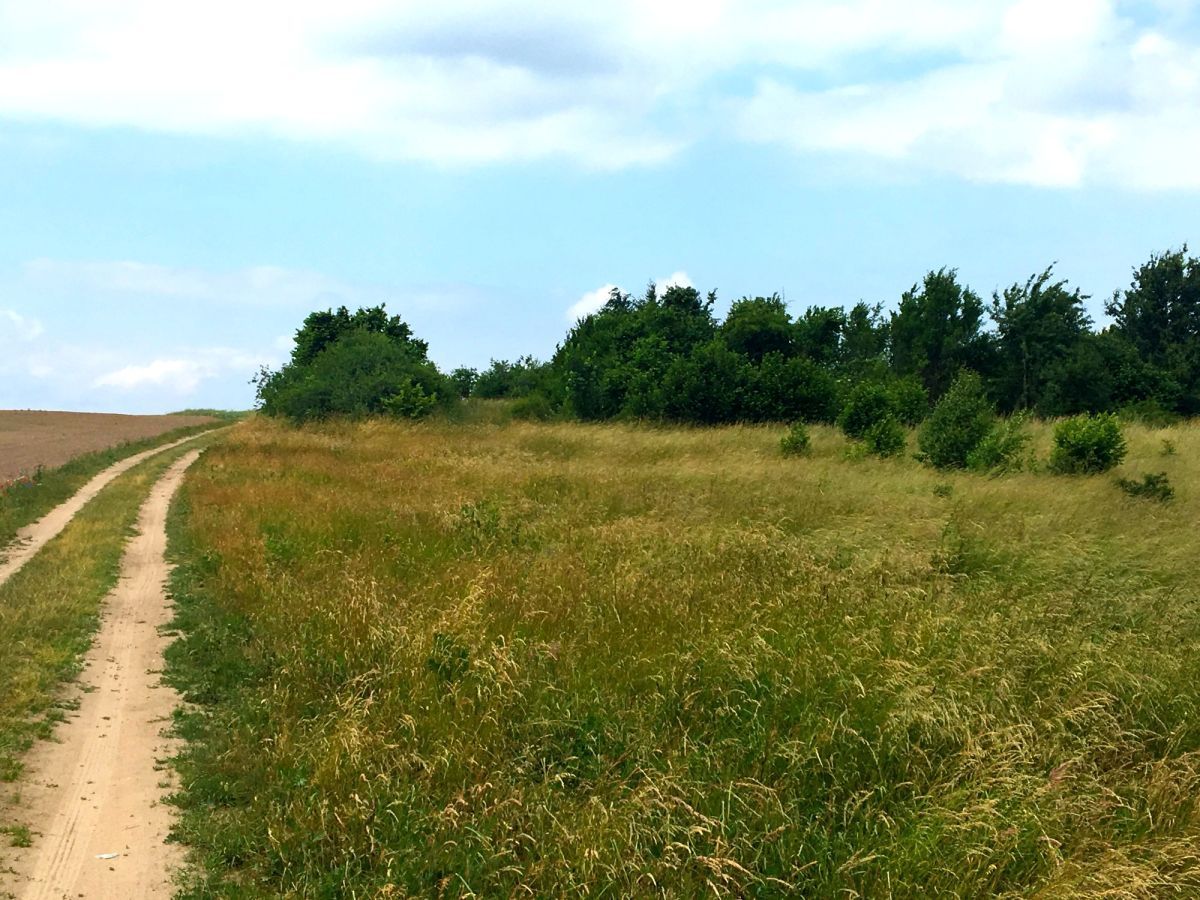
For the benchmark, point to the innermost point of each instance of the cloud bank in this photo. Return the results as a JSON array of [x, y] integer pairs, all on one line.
[[1076, 92]]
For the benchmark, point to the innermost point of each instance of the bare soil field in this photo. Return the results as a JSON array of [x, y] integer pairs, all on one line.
[[30, 438]]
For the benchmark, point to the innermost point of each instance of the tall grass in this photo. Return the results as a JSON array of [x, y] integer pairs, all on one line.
[[561, 660]]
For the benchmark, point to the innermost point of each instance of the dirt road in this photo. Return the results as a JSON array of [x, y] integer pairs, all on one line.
[[95, 798], [32, 538]]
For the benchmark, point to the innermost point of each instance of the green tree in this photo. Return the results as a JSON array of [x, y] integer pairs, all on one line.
[[1039, 324], [464, 380], [937, 331], [362, 373], [819, 334], [323, 328], [1159, 316], [758, 326]]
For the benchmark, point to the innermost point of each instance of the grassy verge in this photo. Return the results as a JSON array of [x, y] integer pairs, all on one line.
[[28, 501], [561, 660], [49, 610]]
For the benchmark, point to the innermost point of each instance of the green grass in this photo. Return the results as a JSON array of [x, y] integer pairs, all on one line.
[[49, 610], [564, 660], [28, 502], [226, 415]]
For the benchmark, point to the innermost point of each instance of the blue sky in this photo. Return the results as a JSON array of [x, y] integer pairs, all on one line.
[[179, 188]]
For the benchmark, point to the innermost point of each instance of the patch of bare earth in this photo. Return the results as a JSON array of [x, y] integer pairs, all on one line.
[[31, 438], [94, 796]]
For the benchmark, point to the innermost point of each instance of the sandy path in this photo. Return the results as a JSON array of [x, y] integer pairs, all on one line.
[[32, 538], [97, 791]]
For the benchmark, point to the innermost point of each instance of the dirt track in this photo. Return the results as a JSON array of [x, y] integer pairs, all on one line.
[[29, 439], [32, 538], [98, 792]]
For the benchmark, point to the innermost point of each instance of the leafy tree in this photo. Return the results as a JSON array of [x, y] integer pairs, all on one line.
[[864, 338], [321, 329], [464, 380], [937, 331], [1039, 324], [819, 334], [1159, 316], [788, 389], [362, 373], [512, 379], [707, 386], [758, 326]]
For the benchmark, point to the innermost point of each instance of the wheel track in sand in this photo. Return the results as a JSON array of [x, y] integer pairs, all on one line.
[[98, 790], [34, 537]]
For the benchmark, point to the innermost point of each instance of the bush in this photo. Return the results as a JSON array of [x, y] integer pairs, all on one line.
[[787, 389], [885, 438], [796, 442], [911, 401], [1087, 444], [360, 373], [868, 405], [534, 407], [959, 423], [1151, 487], [1002, 449]]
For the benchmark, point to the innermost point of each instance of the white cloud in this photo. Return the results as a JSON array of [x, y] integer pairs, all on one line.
[[1064, 93], [181, 375], [591, 302], [675, 279], [21, 327]]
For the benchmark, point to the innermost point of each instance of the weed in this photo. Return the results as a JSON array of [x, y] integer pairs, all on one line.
[[1153, 486], [797, 441], [19, 835]]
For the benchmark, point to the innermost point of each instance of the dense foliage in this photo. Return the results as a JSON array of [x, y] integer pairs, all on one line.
[[1084, 445], [666, 356], [354, 364], [958, 424]]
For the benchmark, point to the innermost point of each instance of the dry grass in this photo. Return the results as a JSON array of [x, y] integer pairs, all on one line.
[[561, 660]]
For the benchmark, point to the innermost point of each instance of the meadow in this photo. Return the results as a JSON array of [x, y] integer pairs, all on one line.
[[484, 659]]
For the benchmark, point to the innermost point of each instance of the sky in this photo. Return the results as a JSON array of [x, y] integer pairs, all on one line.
[[180, 184]]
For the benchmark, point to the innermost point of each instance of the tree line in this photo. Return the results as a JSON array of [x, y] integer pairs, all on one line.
[[666, 355]]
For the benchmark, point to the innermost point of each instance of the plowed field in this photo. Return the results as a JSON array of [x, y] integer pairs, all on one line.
[[29, 439]]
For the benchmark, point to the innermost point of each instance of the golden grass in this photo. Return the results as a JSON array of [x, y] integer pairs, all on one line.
[[558, 660]]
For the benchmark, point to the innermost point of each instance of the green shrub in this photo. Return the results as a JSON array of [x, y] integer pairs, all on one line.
[[409, 401], [1087, 444], [354, 365], [869, 403], [911, 401], [885, 438], [796, 442], [1151, 487], [1002, 449], [958, 424], [534, 407]]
